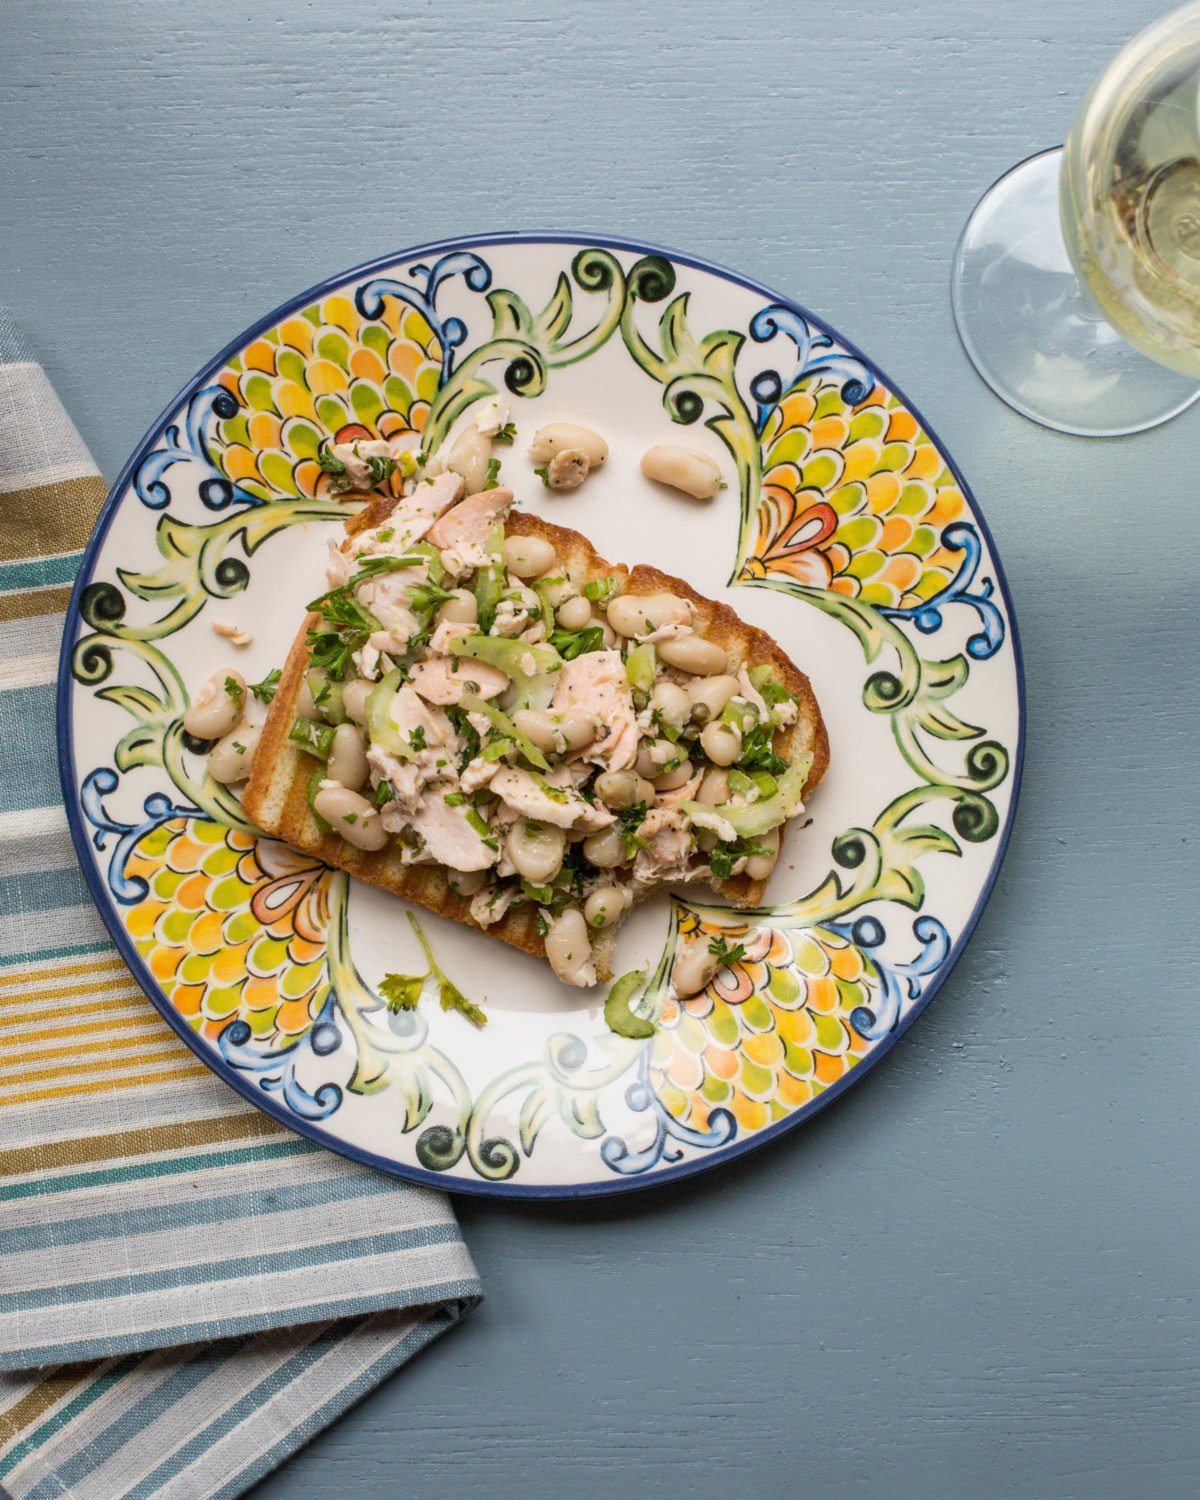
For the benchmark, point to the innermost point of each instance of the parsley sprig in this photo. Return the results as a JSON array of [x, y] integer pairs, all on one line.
[[346, 627], [403, 991]]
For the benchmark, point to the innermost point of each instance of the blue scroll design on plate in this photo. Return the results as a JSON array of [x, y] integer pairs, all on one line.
[[422, 294], [670, 1134], [816, 354], [927, 617], [158, 808], [898, 982], [275, 1067], [189, 440]]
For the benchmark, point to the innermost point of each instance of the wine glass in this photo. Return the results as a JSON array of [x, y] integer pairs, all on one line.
[[1081, 257]]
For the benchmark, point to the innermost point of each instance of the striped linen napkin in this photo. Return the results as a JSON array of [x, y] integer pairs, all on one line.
[[188, 1292]]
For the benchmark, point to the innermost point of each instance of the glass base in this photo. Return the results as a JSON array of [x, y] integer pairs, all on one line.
[[1031, 330]]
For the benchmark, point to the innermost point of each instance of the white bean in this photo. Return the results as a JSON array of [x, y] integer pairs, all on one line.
[[694, 966], [605, 905], [306, 707], [217, 707], [759, 866], [671, 702], [536, 849], [557, 733], [605, 849], [721, 743], [622, 789], [348, 758], [640, 614], [528, 556], [568, 950], [354, 699], [652, 756], [466, 882], [692, 653], [709, 695], [352, 816], [463, 609], [470, 456], [575, 613], [683, 469], [714, 789], [671, 779], [231, 758], [564, 436]]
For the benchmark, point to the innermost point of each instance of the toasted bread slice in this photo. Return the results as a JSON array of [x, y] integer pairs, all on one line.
[[276, 796]]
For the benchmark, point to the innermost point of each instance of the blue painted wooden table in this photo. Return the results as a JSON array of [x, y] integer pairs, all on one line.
[[978, 1272]]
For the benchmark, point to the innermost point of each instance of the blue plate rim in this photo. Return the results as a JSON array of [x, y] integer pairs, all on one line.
[[721, 1156]]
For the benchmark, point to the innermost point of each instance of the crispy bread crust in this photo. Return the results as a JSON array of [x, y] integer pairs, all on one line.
[[276, 796]]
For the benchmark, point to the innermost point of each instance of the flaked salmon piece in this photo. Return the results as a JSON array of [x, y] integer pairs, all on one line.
[[339, 567], [449, 837], [596, 682], [410, 714], [447, 631], [561, 806], [668, 840], [679, 794], [444, 680], [412, 518], [387, 599], [490, 906], [407, 779], [464, 531]]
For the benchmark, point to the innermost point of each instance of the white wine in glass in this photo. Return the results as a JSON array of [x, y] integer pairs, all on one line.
[[1078, 259]]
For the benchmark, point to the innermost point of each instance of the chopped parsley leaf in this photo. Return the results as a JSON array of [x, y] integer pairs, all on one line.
[[265, 690], [726, 952], [628, 824], [402, 991], [381, 468], [724, 856], [572, 643], [233, 689], [492, 477], [506, 434], [758, 754], [543, 475], [417, 738]]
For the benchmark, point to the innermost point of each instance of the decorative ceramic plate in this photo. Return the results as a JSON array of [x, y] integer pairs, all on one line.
[[845, 531]]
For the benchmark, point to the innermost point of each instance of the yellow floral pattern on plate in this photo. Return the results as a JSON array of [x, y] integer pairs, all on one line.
[[325, 371], [854, 499], [769, 1033], [232, 928]]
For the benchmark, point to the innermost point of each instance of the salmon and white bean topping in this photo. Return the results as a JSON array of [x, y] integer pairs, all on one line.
[[553, 740]]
